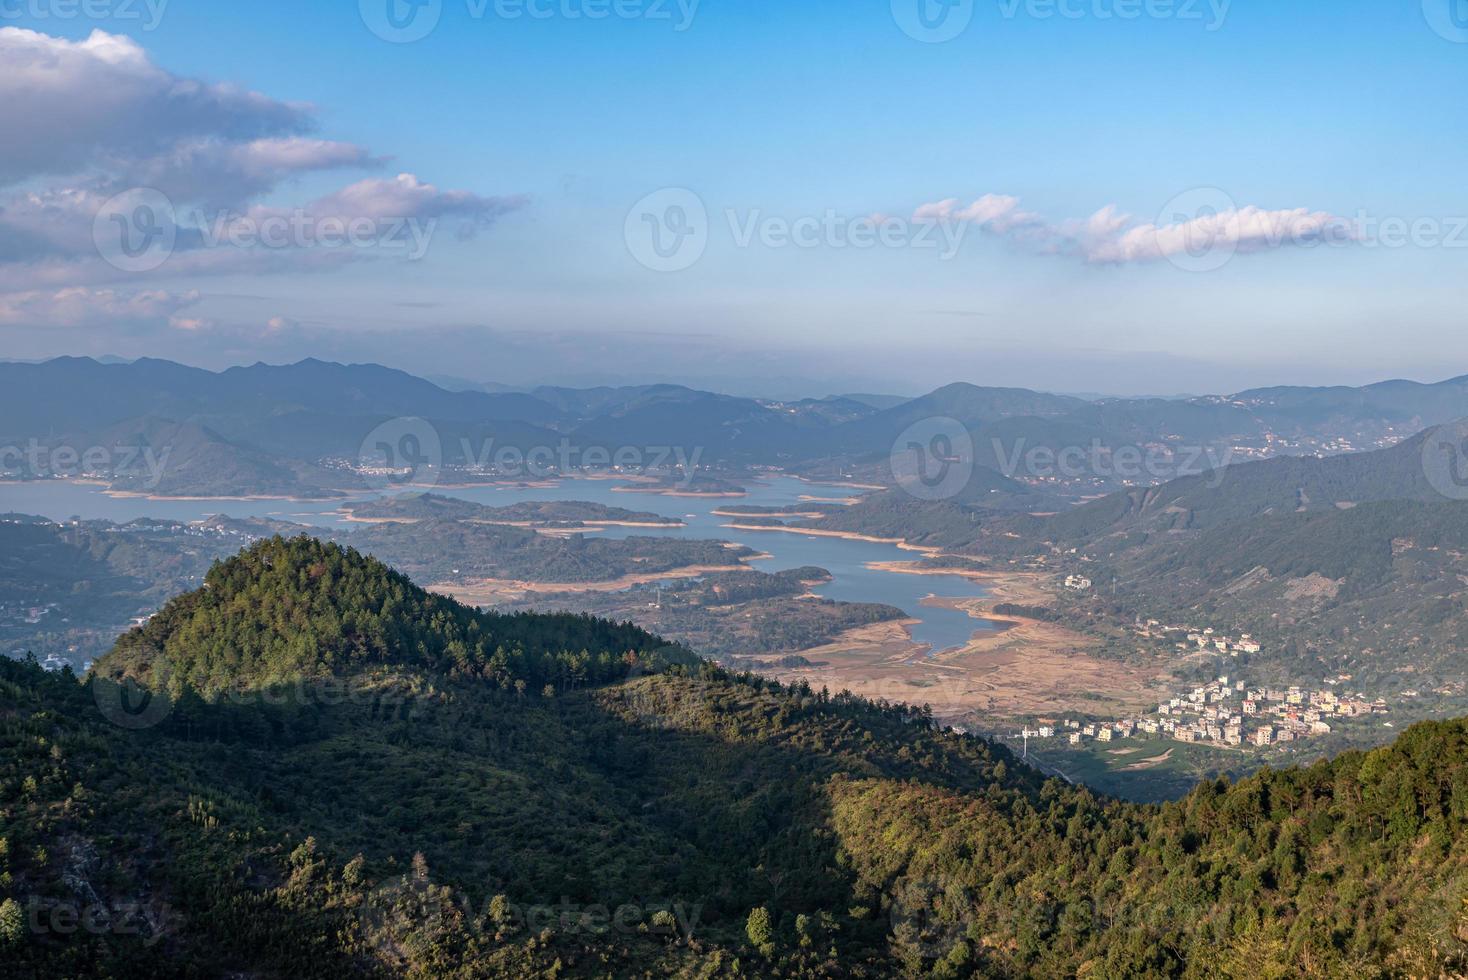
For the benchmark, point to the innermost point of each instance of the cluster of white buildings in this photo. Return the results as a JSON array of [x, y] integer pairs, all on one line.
[[1228, 713], [1206, 638]]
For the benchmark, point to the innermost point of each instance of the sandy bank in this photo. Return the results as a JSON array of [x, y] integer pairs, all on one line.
[[489, 591], [820, 533]]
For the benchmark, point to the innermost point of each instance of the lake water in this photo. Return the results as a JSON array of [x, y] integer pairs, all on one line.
[[845, 559]]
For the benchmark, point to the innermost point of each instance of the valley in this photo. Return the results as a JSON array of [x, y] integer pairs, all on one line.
[[1019, 602]]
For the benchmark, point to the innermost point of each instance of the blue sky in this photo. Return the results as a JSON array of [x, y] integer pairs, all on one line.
[[783, 111]]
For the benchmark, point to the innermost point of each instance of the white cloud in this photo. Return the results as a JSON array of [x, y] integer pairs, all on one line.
[[1111, 237], [1248, 229], [81, 307], [999, 213], [102, 118], [405, 196], [70, 106], [220, 173]]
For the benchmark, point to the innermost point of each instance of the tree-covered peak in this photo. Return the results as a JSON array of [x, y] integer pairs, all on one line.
[[285, 609]]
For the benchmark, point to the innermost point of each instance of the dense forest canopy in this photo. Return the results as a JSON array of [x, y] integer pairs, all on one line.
[[298, 608], [657, 820]]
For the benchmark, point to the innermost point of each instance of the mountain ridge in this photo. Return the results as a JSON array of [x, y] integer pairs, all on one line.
[[739, 827]]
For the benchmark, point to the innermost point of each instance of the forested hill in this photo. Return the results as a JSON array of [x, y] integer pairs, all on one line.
[[300, 608], [1245, 491], [438, 820]]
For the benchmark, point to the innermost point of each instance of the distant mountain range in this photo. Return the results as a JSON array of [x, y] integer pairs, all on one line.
[[279, 430]]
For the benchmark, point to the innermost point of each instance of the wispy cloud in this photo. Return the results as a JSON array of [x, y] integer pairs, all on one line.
[[1112, 237], [68, 107], [97, 118], [80, 307]]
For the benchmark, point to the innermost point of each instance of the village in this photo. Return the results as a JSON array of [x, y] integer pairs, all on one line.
[[1227, 712]]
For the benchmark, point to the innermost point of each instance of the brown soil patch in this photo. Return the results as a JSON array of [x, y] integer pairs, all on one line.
[[1151, 763], [491, 591], [1026, 668]]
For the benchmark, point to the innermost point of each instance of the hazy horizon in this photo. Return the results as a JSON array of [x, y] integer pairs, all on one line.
[[789, 387], [839, 198]]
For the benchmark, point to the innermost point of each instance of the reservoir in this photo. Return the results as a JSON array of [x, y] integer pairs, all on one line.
[[844, 558]]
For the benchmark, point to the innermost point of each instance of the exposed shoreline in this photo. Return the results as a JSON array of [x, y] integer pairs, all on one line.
[[488, 591], [241, 498], [697, 494], [822, 533], [839, 483], [1020, 667], [533, 525]]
